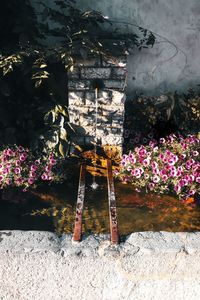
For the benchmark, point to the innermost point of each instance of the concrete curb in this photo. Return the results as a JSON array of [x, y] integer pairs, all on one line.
[[147, 265]]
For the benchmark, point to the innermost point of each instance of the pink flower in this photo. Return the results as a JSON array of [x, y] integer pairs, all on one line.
[[151, 186], [21, 149], [31, 180], [5, 171], [8, 182], [37, 162], [136, 173], [162, 140], [33, 167], [146, 162], [195, 153], [154, 164], [173, 173], [156, 179], [198, 179], [17, 163], [164, 177], [177, 188], [48, 168], [161, 156], [17, 170], [183, 182], [183, 156], [142, 152], [23, 157], [52, 161], [32, 174], [44, 176], [171, 161], [168, 153], [156, 171], [192, 192], [163, 172], [9, 152]]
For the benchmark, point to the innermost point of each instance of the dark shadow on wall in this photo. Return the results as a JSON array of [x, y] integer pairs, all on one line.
[[148, 118]]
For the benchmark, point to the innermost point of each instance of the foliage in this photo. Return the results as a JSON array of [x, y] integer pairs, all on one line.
[[170, 166], [19, 168], [155, 117], [33, 79]]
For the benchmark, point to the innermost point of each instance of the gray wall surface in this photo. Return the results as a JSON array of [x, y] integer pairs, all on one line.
[[174, 61]]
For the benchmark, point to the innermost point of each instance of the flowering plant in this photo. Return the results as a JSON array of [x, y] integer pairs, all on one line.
[[18, 167], [168, 166]]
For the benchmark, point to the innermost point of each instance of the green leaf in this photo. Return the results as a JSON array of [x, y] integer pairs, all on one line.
[[42, 66], [63, 148], [7, 69], [63, 134], [38, 83]]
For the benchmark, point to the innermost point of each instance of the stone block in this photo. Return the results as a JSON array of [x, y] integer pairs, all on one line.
[[118, 61], [115, 84], [79, 84], [88, 62], [105, 94], [118, 98], [76, 98], [90, 98], [95, 73], [104, 101], [102, 120], [118, 73], [75, 74], [112, 139]]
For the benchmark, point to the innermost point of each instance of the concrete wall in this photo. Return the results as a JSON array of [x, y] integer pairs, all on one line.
[[178, 21], [147, 266]]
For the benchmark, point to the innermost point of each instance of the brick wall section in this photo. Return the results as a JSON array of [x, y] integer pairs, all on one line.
[[111, 98]]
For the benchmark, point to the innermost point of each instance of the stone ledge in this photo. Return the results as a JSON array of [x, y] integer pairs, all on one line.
[[146, 242], [147, 265]]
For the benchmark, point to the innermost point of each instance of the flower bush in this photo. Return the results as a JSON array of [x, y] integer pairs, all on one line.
[[19, 168], [168, 166]]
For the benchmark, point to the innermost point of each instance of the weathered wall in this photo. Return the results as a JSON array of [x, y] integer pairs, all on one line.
[[151, 70], [41, 265]]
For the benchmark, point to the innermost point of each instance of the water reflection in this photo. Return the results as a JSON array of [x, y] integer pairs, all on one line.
[[53, 208]]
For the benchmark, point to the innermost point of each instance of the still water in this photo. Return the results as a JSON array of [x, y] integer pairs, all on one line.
[[52, 208]]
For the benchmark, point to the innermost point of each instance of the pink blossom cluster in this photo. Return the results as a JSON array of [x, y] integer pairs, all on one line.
[[19, 168], [170, 165]]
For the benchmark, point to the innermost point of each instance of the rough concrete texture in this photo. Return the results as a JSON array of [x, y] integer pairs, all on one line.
[[40, 265], [173, 63]]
